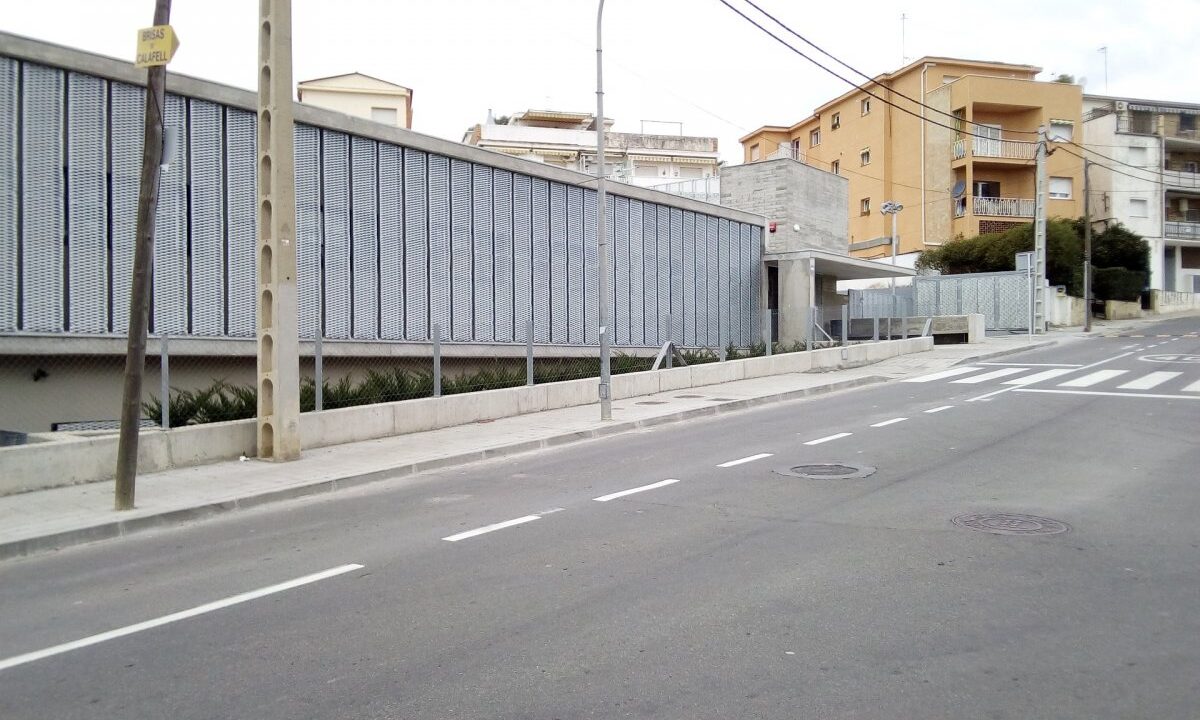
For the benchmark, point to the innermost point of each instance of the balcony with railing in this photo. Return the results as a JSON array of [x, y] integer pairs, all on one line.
[[995, 207], [994, 148], [1181, 179], [1182, 230]]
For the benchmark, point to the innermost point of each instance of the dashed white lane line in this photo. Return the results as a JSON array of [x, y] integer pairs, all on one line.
[[623, 493], [885, 423], [741, 461], [938, 409], [952, 372], [491, 528], [1148, 382], [993, 375], [827, 438], [175, 617]]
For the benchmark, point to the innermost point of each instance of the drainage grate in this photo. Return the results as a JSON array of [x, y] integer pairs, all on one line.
[[688, 397], [1010, 524], [827, 471], [651, 402], [722, 399]]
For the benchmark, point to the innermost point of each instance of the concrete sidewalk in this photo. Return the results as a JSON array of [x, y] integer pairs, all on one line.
[[59, 517]]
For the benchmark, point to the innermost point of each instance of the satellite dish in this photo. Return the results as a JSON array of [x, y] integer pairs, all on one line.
[[960, 187]]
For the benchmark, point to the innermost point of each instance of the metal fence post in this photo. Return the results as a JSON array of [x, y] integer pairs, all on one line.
[[875, 332], [770, 330], [529, 352], [437, 359], [721, 344], [845, 325], [808, 324], [164, 366], [318, 372]]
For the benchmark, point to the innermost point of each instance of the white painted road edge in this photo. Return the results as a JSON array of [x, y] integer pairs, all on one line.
[[885, 423], [740, 461], [827, 438], [174, 617], [938, 409], [491, 528], [623, 493]]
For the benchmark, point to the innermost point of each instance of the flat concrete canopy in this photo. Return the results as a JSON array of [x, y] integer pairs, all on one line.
[[843, 267]]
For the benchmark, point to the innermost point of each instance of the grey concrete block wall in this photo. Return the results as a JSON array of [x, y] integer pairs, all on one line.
[[790, 193]]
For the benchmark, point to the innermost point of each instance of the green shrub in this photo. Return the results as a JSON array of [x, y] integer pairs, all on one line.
[[1116, 283]]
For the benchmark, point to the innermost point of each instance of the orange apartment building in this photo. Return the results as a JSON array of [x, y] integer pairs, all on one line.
[[954, 180]]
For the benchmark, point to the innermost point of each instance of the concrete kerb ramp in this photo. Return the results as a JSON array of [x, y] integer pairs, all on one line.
[[73, 459]]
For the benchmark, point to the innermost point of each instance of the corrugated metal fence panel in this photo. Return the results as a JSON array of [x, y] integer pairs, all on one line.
[[391, 243], [723, 275], [416, 248], [591, 264], [241, 196], [42, 211], [610, 228], [207, 158], [308, 224], [522, 255], [125, 145], [637, 277], [734, 282], [8, 194], [364, 277], [335, 182], [746, 284], [461, 254], [439, 243], [664, 319], [756, 243], [650, 317], [558, 263], [541, 261], [620, 252], [711, 284], [171, 228], [575, 266], [701, 296], [689, 278], [485, 254], [87, 191], [503, 273]]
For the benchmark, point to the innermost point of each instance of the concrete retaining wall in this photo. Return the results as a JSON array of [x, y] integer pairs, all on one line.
[[75, 459], [1118, 310], [1064, 310], [1162, 301]]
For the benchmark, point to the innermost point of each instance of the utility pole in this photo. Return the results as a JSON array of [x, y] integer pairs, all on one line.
[[1087, 247], [139, 295], [1039, 237], [601, 231], [278, 342]]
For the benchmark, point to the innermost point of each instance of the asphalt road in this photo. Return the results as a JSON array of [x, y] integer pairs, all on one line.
[[733, 592]]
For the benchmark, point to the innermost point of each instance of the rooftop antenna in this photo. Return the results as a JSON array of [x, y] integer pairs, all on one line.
[[903, 53], [1105, 51]]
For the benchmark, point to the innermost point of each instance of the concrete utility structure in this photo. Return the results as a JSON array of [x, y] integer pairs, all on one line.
[[395, 232], [1154, 147], [958, 180], [361, 96], [568, 140]]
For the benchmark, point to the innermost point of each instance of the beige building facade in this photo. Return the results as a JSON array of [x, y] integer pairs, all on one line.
[[957, 174], [361, 96]]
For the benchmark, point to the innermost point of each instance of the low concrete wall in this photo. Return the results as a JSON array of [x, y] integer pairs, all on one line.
[[1118, 310], [72, 460], [1064, 310], [1162, 301]]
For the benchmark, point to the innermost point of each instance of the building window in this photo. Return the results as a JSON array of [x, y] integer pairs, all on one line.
[[864, 157], [835, 167], [814, 138], [645, 171], [1139, 207], [797, 152], [864, 206], [1137, 156], [386, 116], [1187, 123], [1060, 188], [1062, 131], [865, 106], [835, 121], [691, 172], [754, 152]]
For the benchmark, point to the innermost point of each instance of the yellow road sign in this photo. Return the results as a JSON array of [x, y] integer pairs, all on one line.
[[156, 46]]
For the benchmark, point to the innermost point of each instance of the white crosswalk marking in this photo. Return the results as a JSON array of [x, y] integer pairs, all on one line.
[[1147, 382], [1194, 387], [993, 375], [1039, 377], [1093, 378], [952, 372]]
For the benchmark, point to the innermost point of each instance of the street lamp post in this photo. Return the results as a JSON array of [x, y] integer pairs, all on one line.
[[601, 230], [892, 208]]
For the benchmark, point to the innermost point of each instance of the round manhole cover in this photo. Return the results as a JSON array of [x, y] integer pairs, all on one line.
[[828, 471], [1010, 524]]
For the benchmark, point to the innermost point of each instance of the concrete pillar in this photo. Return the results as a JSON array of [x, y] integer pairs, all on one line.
[[278, 344], [796, 288]]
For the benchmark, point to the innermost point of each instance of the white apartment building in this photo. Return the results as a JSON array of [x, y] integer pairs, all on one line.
[[1155, 148], [568, 140]]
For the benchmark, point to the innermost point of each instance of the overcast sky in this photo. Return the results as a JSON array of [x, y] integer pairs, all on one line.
[[692, 61]]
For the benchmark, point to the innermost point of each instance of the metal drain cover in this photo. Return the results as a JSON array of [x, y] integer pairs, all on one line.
[[722, 399], [827, 471], [651, 402], [688, 397], [1010, 524]]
